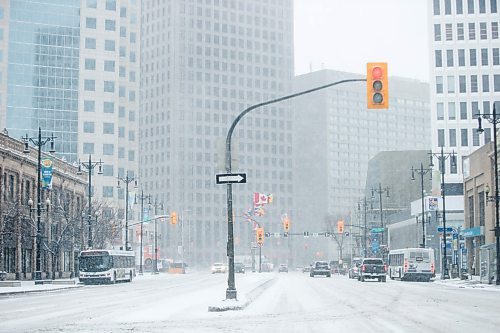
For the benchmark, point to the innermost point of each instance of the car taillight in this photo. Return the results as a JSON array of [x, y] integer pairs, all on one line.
[[385, 268], [432, 267], [363, 268], [406, 265]]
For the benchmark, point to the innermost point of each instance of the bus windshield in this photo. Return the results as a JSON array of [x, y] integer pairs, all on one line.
[[95, 263]]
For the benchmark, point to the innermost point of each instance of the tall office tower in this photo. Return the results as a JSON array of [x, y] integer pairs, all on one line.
[[4, 42], [72, 69], [336, 136], [203, 62], [465, 78]]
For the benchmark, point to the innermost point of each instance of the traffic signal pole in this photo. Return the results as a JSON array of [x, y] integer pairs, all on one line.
[[231, 289]]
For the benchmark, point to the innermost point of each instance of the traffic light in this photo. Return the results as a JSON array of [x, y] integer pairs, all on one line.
[[286, 224], [377, 85], [173, 218], [340, 226], [260, 236]]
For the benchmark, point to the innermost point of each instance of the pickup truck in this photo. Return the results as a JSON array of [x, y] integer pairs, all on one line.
[[372, 268]]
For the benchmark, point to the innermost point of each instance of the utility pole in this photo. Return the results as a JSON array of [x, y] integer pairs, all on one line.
[[422, 172]]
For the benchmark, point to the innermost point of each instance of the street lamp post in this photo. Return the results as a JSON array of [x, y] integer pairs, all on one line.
[[421, 172], [492, 118], [126, 180], [89, 166], [365, 207], [381, 190], [442, 158], [156, 204], [39, 142], [142, 198]]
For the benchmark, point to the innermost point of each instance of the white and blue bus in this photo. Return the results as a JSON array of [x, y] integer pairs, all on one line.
[[412, 264], [106, 266]]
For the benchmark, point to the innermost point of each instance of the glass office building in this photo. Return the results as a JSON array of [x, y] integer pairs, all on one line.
[[43, 70]]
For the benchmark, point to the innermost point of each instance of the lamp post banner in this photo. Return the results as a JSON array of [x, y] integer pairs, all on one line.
[[433, 203], [47, 173]]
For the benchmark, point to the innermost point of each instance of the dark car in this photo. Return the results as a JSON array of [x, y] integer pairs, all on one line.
[[239, 267], [283, 268], [320, 268]]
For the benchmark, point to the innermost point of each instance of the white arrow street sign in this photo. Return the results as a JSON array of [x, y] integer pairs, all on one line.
[[231, 178]]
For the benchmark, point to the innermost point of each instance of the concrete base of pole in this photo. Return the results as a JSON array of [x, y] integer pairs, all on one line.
[[230, 293]]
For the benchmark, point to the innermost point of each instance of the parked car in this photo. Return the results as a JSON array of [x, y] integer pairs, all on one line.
[[239, 267], [320, 268], [283, 268], [219, 267], [306, 269]]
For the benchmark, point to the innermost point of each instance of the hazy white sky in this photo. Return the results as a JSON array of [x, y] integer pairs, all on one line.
[[343, 35]]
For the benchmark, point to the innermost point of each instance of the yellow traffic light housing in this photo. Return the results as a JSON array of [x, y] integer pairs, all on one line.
[[340, 226], [173, 218], [260, 236], [377, 85], [286, 224]]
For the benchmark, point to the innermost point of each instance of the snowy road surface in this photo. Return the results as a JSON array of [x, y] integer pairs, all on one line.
[[293, 303]]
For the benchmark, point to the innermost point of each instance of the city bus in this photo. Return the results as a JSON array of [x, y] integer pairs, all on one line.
[[106, 266], [412, 264]]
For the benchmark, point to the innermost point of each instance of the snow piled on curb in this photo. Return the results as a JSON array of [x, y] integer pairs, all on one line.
[[244, 300]]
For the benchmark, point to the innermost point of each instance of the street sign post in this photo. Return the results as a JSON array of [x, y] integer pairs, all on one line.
[[231, 178]]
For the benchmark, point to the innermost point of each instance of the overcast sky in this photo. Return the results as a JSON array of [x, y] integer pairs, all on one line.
[[342, 35]]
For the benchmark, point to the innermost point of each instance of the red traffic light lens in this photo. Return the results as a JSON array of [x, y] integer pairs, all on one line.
[[377, 73]]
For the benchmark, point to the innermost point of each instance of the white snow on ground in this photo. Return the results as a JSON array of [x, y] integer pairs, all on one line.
[[290, 303]]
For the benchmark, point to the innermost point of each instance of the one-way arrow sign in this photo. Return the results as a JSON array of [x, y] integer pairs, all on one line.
[[231, 178]]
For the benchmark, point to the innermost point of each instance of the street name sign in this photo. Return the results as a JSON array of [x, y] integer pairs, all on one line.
[[231, 178]]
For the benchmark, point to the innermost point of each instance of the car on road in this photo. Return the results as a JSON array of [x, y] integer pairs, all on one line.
[[239, 267], [372, 268], [283, 268], [320, 268], [306, 269], [219, 267]]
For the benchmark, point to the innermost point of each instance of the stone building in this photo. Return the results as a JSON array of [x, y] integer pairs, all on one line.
[[60, 221]]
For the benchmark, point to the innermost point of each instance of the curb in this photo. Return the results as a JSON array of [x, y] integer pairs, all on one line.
[[250, 297], [17, 292]]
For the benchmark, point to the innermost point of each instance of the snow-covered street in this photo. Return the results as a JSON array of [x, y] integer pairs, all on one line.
[[292, 302]]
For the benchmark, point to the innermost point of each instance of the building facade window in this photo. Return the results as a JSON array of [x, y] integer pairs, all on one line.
[[437, 32], [464, 139], [88, 127]]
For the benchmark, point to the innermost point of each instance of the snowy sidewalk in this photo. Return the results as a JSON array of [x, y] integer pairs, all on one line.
[[29, 286], [471, 282]]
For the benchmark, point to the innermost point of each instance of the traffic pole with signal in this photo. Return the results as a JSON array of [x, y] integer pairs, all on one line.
[[377, 85], [259, 233]]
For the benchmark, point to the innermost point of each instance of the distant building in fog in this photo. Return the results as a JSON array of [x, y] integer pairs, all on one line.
[[335, 136]]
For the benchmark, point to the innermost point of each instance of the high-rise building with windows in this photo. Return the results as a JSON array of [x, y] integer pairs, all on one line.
[[72, 68], [203, 62], [464, 81], [465, 78]]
